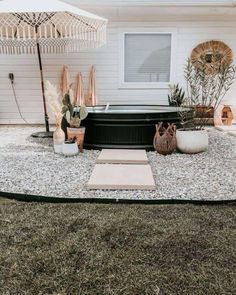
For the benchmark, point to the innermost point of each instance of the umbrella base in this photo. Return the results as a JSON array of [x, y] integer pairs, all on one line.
[[43, 134]]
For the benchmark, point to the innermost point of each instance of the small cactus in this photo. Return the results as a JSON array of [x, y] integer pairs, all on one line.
[[73, 116], [83, 112]]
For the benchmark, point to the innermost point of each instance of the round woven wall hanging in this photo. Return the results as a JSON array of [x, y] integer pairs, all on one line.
[[213, 54]]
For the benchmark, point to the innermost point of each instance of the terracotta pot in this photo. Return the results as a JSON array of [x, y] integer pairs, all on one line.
[[77, 133], [192, 141], [164, 140], [204, 112]]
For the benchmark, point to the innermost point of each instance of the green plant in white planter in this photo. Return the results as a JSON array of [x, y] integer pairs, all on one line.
[[205, 90], [70, 147]]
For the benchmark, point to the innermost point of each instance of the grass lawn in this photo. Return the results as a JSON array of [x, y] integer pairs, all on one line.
[[99, 249]]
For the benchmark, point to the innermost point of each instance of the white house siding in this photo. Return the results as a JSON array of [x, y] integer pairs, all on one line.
[[106, 60]]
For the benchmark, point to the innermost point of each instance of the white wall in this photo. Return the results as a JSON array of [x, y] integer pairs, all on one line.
[[106, 60]]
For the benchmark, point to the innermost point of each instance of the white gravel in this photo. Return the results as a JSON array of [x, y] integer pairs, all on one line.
[[30, 166]]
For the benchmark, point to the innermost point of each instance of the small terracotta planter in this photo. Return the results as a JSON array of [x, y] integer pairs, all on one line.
[[164, 140], [204, 112], [79, 134]]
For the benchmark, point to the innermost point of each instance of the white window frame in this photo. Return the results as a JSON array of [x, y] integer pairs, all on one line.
[[146, 85]]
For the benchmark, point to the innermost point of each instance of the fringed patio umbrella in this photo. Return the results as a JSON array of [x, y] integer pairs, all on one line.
[[47, 26], [92, 97], [65, 81], [79, 94]]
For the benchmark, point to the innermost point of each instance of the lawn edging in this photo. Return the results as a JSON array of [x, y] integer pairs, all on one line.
[[48, 199]]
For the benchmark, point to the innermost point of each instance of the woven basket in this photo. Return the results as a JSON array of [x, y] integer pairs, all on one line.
[[213, 54], [164, 140]]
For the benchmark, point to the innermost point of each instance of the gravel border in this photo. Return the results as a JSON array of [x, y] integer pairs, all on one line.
[[29, 166]]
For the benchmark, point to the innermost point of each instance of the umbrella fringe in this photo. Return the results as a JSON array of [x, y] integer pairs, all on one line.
[[82, 28], [73, 39], [66, 48]]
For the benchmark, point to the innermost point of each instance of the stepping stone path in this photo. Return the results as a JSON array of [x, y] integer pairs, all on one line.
[[122, 157], [230, 129], [226, 128], [233, 133], [122, 170]]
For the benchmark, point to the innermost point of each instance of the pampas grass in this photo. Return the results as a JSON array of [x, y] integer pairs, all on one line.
[[52, 96]]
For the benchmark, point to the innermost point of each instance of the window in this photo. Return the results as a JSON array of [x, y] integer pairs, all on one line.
[[146, 60]]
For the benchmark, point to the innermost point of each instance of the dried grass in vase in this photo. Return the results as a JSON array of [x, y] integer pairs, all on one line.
[[53, 100]]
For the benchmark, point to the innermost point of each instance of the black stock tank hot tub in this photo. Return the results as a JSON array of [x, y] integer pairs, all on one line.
[[126, 126]]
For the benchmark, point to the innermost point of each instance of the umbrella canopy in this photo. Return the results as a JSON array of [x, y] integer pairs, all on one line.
[[47, 26], [58, 27], [65, 81], [92, 98], [79, 96]]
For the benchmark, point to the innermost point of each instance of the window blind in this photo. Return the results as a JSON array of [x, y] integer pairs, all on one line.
[[147, 57]]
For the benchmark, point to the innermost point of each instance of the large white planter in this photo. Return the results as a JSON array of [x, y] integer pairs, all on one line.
[[192, 141]]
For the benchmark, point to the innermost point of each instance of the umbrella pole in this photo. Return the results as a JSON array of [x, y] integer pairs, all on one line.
[[43, 88], [47, 133]]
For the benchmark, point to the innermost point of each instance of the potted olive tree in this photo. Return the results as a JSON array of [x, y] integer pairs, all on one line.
[[205, 90]]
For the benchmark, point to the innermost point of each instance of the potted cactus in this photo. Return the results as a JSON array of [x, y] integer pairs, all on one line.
[[72, 117]]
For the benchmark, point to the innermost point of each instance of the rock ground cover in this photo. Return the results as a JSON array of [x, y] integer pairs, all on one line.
[[30, 166]]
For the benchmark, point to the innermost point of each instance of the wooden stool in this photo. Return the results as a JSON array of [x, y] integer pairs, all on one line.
[[227, 115]]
